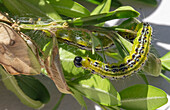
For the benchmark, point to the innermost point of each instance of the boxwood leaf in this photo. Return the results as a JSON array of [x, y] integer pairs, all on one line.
[[166, 61], [32, 8], [12, 85], [104, 7], [121, 12], [33, 88], [142, 97], [69, 8], [97, 89]]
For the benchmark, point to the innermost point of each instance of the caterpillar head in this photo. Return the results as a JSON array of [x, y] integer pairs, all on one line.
[[77, 61]]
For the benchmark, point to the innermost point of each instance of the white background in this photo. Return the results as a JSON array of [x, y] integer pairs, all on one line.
[[158, 17]]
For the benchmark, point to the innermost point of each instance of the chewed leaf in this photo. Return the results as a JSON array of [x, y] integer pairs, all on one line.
[[142, 97], [15, 55], [11, 84], [153, 65], [121, 12]]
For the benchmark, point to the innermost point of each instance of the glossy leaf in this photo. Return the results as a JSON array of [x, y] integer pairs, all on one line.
[[12, 85], [34, 8], [97, 89], [121, 12], [142, 97], [104, 7], [33, 88], [166, 61], [69, 8]]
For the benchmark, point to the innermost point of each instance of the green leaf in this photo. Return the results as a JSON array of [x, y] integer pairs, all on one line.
[[67, 55], [97, 89], [126, 43], [12, 85], [95, 1], [95, 42], [165, 77], [166, 61], [33, 88], [32, 8], [48, 49], [79, 97], [104, 7], [142, 97], [152, 65], [121, 12], [69, 8], [58, 103], [130, 23], [39, 38], [114, 3]]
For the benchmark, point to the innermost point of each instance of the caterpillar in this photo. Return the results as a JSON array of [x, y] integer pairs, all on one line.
[[79, 37], [82, 38], [131, 63]]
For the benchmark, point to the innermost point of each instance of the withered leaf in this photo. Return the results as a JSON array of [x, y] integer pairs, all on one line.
[[15, 55], [3, 18], [54, 69]]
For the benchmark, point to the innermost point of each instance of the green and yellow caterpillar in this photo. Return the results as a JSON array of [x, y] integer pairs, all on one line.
[[131, 63]]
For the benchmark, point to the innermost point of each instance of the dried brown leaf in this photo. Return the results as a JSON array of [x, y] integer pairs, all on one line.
[[15, 55], [54, 69]]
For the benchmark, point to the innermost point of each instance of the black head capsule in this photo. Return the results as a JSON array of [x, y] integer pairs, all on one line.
[[77, 61]]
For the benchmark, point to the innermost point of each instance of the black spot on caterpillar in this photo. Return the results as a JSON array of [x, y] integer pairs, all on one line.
[[131, 63]]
